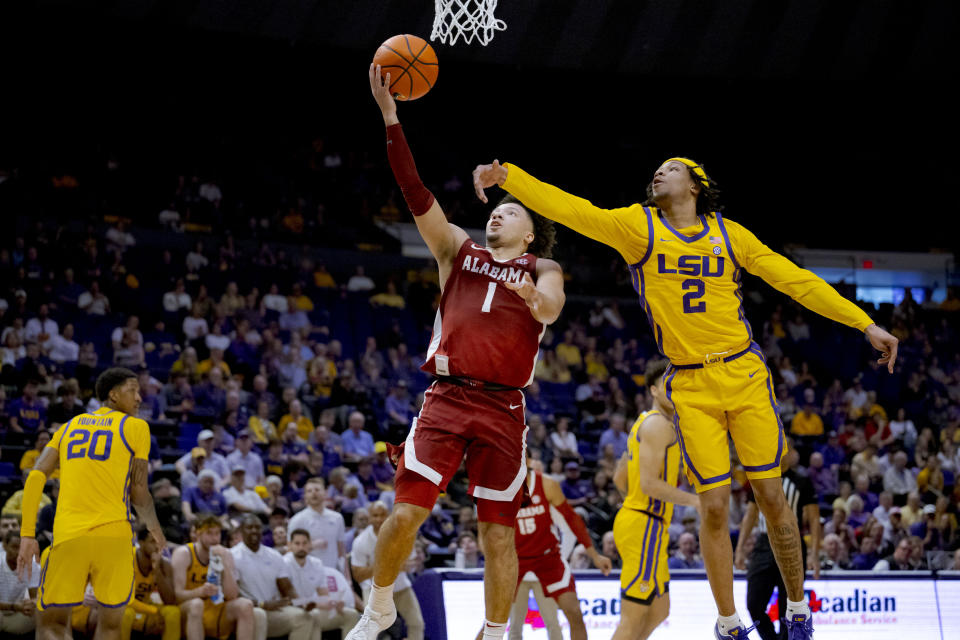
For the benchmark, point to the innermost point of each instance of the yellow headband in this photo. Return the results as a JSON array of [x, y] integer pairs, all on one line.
[[697, 169]]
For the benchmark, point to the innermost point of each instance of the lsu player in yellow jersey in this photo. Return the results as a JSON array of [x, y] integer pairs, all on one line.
[[201, 617], [152, 576], [102, 457], [686, 262], [647, 474]]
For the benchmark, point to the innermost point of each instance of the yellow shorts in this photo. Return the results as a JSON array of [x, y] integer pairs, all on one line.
[[642, 541], [104, 557], [167, 618], [214, 620], [735, 396]]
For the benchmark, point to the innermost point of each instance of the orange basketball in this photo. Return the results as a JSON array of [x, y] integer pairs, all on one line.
[[411, 63]]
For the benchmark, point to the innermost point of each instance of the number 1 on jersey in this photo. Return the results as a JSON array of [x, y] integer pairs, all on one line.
[[491, 289]]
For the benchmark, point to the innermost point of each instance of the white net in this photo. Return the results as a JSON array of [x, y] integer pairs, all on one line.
[[469, 19]]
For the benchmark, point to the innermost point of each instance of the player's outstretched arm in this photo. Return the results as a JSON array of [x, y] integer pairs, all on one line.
[[555, 497], [442, 238], [809, 289], [625, 229], [656, 434], [546, 297]]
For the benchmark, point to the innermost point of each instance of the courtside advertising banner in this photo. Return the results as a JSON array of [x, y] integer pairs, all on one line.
[[878, 609]]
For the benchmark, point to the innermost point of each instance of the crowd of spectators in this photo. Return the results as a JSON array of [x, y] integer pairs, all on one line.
[[273, 383]]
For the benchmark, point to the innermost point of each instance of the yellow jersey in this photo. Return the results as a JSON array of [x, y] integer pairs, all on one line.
[[197, 571], [688, 279], [96, 452], [669, 472]]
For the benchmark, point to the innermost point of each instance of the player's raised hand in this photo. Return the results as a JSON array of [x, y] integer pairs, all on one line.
[[380, 88], [527, 290], [487, 175], [885, 343], [29, 551]]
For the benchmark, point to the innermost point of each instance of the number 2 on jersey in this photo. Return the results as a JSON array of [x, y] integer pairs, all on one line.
[[80, 437], [698, 290], [491, 289]]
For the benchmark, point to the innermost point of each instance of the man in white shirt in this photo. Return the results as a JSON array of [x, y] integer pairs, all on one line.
[[326, 527], [241, 499], [63, 348], [133, 331], [361, 566], [18, 598], [898, 479], [42, 328], [174, 301], [195, 325], [324, 592], [264, 578], [245, 456]]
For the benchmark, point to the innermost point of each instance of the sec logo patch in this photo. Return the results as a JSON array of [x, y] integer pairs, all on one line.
[[716, 251]]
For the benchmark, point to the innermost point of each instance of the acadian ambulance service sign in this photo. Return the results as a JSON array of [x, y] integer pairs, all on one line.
[[860, 608]]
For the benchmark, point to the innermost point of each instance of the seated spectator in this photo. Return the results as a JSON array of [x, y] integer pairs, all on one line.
[[239, 498], [93, 302], [808, 422], [275, 499], [824, 479], [862, 489], [357, 443], [275, 460], [867, 557], [857, 516], [616, 435], [898, 479], [399, 408], [204, 497], [293, 447], [261, 427], [383, 470], [215, 361], [14, 504], [27, 413], [833, 553], [187, 365], [213, 460], [686, 556], [274, 302], [576, 490], [551, 369], [302, 424], [899, 560], [264, 578], [360, 282], [866, 463], [211, 395], [902, 429], [322, 590], [244, 455], [63, 348], [177, 301], [41, 329], [563, 441], [29, 458], [67, 406], [439, 531], [195, 326], [468, 554], [930, 479]]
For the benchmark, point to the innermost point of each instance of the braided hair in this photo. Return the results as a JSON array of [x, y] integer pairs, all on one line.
[[708, 200]]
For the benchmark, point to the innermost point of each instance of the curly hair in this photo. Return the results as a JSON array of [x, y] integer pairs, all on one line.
[[708, 199], [544, 231]]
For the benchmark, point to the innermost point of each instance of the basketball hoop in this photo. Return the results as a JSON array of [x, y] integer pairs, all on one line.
[[470, 19]]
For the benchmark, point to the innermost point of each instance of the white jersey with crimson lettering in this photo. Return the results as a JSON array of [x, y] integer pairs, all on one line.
[[483, 330]]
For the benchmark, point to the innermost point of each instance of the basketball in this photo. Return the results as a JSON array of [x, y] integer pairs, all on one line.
[[411, 63]]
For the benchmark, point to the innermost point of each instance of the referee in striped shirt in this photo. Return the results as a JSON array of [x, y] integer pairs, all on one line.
[[762, 572]]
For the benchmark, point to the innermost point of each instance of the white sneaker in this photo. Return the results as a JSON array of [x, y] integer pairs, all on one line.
[[371, 624]]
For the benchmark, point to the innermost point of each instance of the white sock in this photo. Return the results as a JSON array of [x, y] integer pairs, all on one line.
[[381, 598], [494, 630], [797, 608], [729, 622]]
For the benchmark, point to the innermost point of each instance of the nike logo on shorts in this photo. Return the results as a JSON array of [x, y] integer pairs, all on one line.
[[515, 406], [752, 374], [665, 239]]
